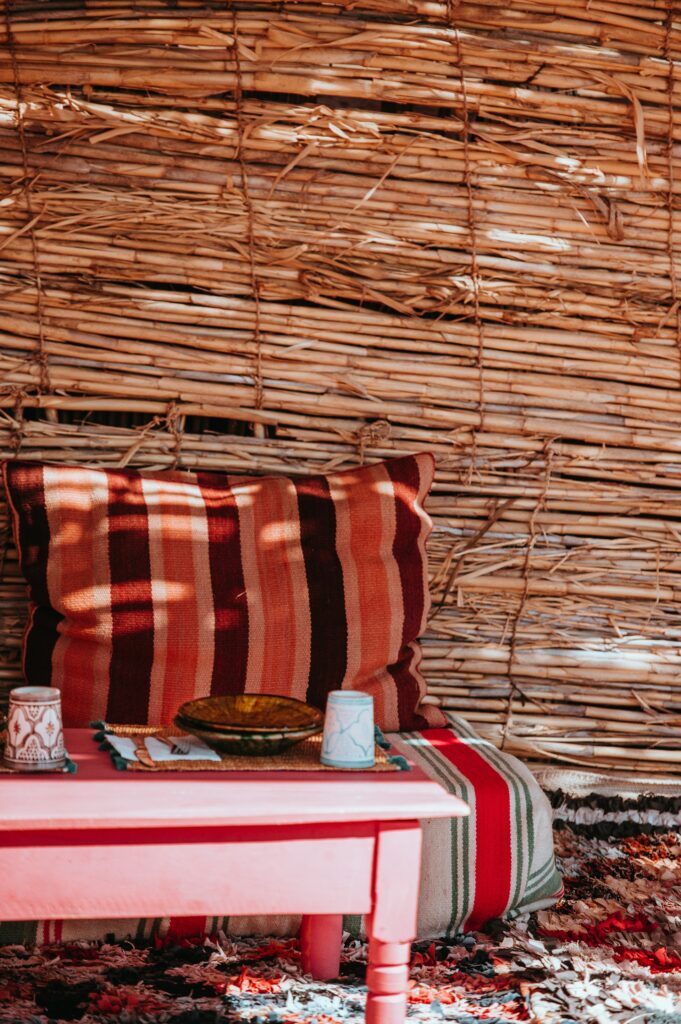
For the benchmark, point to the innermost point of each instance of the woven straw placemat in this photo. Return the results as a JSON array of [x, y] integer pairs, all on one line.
[[303, 757]]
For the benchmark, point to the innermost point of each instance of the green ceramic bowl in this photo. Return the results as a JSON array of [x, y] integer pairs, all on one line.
[[250, 724]]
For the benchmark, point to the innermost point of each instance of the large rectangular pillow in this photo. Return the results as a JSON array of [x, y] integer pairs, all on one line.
[[148, 589]]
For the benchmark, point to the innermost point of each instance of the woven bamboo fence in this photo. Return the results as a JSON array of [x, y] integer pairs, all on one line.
[[280, 236]]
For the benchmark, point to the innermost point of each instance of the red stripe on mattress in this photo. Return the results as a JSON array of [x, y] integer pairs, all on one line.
[[186, 928], [493, 857]]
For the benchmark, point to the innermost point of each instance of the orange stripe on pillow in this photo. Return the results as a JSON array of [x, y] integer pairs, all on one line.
[[101, 597], [182, 602], [183, 634], [159, 597], [203, 593], [300, 599], [367, 646], [244, 496], [277, 593], [75, 501]]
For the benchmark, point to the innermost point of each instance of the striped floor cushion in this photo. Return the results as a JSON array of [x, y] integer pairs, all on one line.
[[497, 862]]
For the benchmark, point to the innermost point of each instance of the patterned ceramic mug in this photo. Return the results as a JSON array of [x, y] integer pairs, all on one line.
[[348, 740], [35, 738]]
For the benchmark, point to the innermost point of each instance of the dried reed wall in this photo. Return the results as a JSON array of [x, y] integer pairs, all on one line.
[[333, 232]]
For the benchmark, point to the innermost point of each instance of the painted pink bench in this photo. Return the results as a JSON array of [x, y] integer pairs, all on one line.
[[112, 844]]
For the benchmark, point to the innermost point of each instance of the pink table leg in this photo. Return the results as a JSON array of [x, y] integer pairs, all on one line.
[[392, 926], [321, 936]]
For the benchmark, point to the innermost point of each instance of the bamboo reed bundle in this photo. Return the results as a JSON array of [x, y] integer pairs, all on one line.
[[345, 230]]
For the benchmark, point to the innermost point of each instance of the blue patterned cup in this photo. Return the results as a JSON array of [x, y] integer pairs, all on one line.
[[348, 740]]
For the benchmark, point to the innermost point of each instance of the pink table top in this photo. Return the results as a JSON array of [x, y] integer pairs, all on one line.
[[100, 796]]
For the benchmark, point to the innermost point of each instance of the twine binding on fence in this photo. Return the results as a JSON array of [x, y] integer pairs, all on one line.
[[258, 426], [514, 688], [675, 303], [473, 244], [40, 355]]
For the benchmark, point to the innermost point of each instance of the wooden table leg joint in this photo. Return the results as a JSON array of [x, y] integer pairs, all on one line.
[[387, 982], [392, 925], [387, 979]]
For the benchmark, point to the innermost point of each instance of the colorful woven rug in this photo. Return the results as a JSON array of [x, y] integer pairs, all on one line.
[[610, 952]]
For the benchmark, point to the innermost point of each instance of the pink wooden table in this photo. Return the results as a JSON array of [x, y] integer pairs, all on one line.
[[111, 844]]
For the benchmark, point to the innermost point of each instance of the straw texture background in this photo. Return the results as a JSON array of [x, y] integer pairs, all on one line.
[[292, 236]]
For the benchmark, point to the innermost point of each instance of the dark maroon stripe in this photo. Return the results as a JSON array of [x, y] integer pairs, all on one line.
[[40, 641], [227, 579], [324, 572], [405, 476], [24, 481], [408, 695], [132, 650]]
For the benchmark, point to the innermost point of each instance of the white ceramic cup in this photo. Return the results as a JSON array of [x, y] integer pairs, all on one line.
[[35, 737], [348, 740]]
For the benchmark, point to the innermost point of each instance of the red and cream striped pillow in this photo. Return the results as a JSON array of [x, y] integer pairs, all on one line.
[[148, 589]]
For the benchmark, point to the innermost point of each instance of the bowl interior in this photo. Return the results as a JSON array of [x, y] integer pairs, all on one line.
[[246, 744], [251, 712]]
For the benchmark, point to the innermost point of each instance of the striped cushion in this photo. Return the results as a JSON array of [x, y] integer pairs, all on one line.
[[498, 862], [148, 589]]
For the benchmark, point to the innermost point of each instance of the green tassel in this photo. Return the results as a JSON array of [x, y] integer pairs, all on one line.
[[102, 730], [70, 766], [119, 761], [381, 741], [402, 763]]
